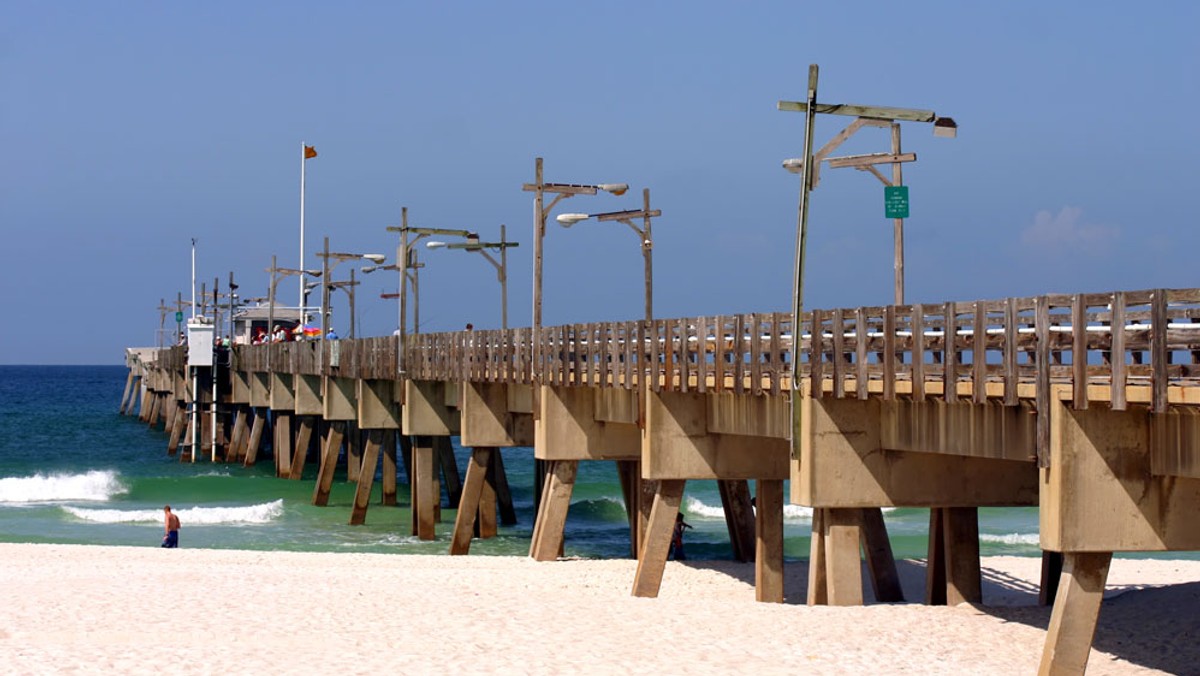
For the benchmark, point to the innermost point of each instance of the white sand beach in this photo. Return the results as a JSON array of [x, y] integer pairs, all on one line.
[[92, 609]]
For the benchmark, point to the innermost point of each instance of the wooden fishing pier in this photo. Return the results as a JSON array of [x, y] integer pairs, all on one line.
[[1086, 406]]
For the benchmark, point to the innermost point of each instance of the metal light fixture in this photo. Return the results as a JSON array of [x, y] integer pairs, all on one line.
[[645, 238], [473, 244], [330, 260], [373, 268], [945, 127], [567, 220]]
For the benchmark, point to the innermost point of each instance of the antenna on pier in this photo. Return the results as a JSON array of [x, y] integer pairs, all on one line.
[[193, 279]]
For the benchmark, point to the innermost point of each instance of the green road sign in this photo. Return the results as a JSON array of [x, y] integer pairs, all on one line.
[[178, 317], [895, 201]]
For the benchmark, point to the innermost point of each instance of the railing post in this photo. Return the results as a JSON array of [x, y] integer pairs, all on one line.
[[1159, 355], [889, 353], [1042, 332], [950, 353], [861, 338], [1011, 337], [839, 350], [917, 328], [816, 358], [1079, 354], [1117, 361], [979, 355]]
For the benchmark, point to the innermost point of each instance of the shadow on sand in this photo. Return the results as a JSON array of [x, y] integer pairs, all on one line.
[[1154, 627]]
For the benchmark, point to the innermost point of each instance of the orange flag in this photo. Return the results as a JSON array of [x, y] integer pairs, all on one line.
[[309, 152]]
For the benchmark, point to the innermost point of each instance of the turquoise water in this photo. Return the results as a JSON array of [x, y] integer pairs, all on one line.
[[72, 470]]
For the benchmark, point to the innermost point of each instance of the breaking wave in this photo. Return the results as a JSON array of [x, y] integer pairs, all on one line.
[[262, 513], [96, 485], [1012, 538]]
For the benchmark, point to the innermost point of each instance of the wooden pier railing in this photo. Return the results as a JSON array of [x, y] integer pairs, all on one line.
[[954, 350]]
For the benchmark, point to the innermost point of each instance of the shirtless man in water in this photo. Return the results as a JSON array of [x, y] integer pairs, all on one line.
[[170, 527]]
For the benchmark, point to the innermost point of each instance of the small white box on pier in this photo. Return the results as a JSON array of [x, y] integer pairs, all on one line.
[[200, 344]]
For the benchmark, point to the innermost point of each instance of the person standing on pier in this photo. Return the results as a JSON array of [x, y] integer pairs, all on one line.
[[170, 528]]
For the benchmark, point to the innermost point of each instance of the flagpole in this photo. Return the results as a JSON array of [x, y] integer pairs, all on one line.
[[301, 265]]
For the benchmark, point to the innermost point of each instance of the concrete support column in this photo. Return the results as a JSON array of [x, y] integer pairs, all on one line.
[[768, 537], [1076, 609]]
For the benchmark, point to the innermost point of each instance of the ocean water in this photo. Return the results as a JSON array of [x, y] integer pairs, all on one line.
[[72, 470]]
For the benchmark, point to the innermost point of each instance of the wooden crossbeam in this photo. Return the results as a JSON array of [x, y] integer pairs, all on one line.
[[877, 112], [871, 159]]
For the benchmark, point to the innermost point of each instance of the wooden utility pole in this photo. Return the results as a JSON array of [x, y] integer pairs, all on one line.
[[870, 521], [898, 224], [874, 116]]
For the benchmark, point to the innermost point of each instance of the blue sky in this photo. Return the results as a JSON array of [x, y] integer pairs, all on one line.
[[129, 128]]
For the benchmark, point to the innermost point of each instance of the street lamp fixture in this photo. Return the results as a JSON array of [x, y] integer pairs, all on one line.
[[348, 287], [541, 210], [560, 191], [866, 116], [233, 299], [567, 220], [276, 274], [408, 255], [372, 268], [643, 233], [327, 266], [569, 189], [339, 257], [794, 164], [481, 248], [308, 288], [284, 272], [945, 127]]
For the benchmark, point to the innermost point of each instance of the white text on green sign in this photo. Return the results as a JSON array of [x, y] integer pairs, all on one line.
[[895, 201]]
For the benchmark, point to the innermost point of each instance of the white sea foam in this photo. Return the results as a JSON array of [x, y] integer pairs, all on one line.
[[797, 513], [602, 499], [1012, 538], [96, 485], [391, 539], [791, 513], [261, 513], [698, 510]]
